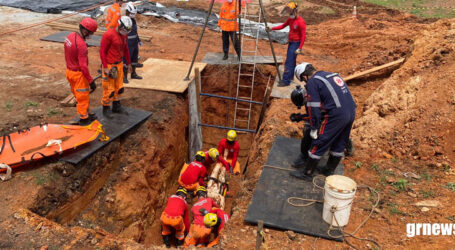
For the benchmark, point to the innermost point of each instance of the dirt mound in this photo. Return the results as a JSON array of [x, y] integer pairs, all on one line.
[[411, 114]]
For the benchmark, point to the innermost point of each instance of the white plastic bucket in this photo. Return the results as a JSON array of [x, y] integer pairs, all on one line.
[[339, 191]]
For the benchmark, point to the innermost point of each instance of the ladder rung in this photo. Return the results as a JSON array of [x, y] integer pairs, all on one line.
[[252, 16], [249, 51], [243, 109], [244, 98], [256, 4], [246, 74], [245, 86], [241, 120]]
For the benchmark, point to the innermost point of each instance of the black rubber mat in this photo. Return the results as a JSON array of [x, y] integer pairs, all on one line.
[[114, 127], [275, 186], [60, 37]]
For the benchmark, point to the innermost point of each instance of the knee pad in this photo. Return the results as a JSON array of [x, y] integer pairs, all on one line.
[[120, 91]]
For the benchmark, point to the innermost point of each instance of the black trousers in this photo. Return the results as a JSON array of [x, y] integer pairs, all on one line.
[[225, 36]]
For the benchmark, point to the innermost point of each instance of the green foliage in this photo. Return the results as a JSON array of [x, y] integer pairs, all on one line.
[[421, 8], [427, 194], [446, 167], [388, 172], [31, 104], [450, 186], [375, 167], [401, 185], [451, 218], [358, 164], [393, 209], [53, 111], [426, 176], [8, 105]]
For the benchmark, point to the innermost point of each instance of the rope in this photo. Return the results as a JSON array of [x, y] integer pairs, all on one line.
[[7, 176], [55, 19]]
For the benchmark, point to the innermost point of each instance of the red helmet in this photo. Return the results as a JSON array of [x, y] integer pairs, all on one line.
[[89, 24]]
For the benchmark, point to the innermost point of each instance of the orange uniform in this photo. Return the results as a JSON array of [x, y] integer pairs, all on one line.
[[113, 15], [230, 152], [208, 161], [229, 14], [113, 48], [192, 175], [199, 234], [77, 73], [175, 216], [224, 217]]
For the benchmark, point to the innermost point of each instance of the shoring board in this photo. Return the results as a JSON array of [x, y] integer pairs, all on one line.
[[283, 92], [115, 127], [217, 59], [275, 186], [60, 37], [164, 75]]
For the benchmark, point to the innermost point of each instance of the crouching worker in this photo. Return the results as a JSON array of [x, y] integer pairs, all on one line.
[[331, 113], [175, 217], [216, 220], [199, 234], [229, 149], [193, 175], [77, 73], [213, 156]]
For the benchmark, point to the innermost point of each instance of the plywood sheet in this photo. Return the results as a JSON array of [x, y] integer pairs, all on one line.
[[164, 75]]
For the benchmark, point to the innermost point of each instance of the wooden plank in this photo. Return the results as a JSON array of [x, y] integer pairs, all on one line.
[[68, 100], [366, 72], [283, 92], [164, 75], [197, 81]]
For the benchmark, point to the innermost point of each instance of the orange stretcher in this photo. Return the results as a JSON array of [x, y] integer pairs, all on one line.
[[19, 148]]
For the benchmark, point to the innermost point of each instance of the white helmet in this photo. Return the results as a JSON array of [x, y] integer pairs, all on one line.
[[300, 69], [131, 8], [125, 23]]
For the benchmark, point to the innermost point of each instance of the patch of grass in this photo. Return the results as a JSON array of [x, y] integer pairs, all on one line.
[[375, 167], [326, 10], [358, 164], [451, 218], [426, 176], [401, 185], [41, 179], [383, 180], [418, 7], [446, 167], [427, 194], [53, 111], [388, 172], [395, 160], [8, 105], [392, 193], [450, 186], [393, 209], [31, 104]]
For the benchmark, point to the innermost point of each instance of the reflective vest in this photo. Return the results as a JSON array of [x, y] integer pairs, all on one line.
[[114, 13], [228, 16]]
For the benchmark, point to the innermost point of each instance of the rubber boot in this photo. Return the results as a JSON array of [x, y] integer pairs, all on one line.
[[179, 243], [134, 75], [85, 122], [117, 108], [92, 116], [167, 241], [107, 112], [225, 57], [125, 75], [307, 172], [138, 65], [332, 164], [350, 148]]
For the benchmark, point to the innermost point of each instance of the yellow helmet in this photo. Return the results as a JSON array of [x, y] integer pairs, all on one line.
[[210, 220], [201, 188], [181, 190], [200, 156], [231, 135], [214, 154], [292, 5]]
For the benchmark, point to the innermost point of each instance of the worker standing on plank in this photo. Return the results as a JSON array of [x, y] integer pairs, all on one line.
[[229, 14], [194, 175], [114, 47], [199, 234], [297, 34], [175, 217], [77, 72], [133, 44], [229, 149], [212, 156], [299, 98], [328, 93], [216, 220], [114, 12]]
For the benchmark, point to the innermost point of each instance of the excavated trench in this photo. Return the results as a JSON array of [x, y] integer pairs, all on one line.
[[123, 188]]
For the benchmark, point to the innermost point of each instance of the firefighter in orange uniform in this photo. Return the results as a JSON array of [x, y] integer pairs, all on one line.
[[229, 14], [114, 12], [77, 73], [229, 149], [175, 216], [193, 175]]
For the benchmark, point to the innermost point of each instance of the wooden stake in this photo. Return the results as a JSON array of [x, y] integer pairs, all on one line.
[[259, 235], [360, 74], [197, 82], [229, 94]]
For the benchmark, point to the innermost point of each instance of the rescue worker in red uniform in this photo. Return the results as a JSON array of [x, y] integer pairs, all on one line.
[[114, 47], [212, 156], [175, 216], [199, 234], [114, 12], [216, 220], [229, 14], [297, 35], [229, 149], [77, 72], [193, 175]]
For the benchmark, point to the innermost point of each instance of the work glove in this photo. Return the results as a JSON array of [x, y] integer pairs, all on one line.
[[314, 134], [140, 44], [298, 51], [231, 170], [106, 71], [296, 117], [92, 86], [267, 28]]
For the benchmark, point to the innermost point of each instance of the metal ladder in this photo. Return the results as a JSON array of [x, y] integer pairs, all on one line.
[[240, 111]]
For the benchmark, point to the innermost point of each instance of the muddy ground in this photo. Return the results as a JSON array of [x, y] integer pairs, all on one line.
[[404, 124]]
